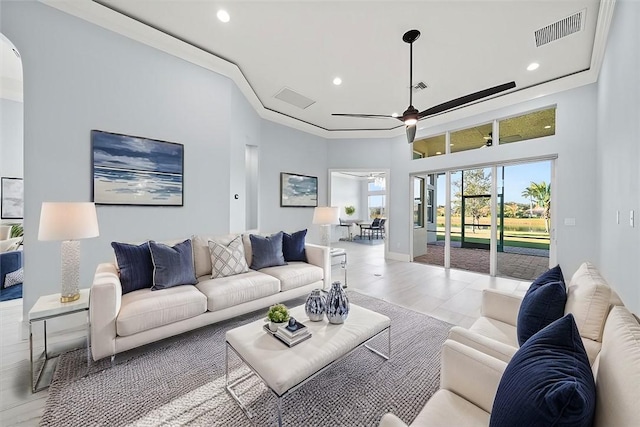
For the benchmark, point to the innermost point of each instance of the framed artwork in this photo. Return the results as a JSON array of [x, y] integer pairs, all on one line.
[[130, 170], [299, 191], [12, 198]]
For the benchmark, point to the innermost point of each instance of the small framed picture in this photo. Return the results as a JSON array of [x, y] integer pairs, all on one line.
[[12, 198], [300, 191]]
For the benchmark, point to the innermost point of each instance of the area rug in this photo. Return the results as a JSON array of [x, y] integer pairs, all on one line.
[[180, 381]]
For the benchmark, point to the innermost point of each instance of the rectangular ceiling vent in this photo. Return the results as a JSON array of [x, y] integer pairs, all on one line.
[[294, 98], [564, 27], [419, 86]]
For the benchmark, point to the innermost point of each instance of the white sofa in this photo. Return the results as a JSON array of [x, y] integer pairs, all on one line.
[[469, 379], [473, 360], [589, 298], [122, 322]]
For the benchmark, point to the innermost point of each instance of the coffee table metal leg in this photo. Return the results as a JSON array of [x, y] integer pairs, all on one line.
[[384, 356], [279, 411], [229, 385]]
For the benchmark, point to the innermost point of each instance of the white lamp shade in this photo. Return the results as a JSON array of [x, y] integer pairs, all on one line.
[[326, 215], [68, 221]]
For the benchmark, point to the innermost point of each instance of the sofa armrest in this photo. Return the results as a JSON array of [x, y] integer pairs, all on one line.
[[481, 343], [104, 305], [470, 374], [501, 306], [390, 420], [320, 256]]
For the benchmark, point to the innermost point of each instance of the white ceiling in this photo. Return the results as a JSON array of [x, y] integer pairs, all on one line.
[[465, 46]]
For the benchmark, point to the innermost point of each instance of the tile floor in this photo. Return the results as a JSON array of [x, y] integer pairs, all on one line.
[[453, 296]]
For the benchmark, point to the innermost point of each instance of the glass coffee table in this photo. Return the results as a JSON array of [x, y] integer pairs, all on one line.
[[284, 369]]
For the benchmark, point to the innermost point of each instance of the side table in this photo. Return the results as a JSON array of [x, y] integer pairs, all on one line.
[[339, 252], [49, 307]]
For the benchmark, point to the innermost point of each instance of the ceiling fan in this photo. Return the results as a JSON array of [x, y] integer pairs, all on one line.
[[411, 116]]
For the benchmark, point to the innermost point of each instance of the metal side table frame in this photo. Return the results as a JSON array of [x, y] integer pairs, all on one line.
[[49, 307], [339, 252]]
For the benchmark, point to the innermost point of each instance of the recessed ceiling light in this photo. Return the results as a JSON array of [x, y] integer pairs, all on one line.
[[337, 81], [547, 127], [452, 144], [486, 137], [533, 66], [438, 152], [223, 15]]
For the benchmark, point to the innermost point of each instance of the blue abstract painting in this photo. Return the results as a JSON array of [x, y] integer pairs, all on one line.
[[129, 170], [298, 190]]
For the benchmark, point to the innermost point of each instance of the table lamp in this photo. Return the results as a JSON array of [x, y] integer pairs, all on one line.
[[68, 222], [325, 216]]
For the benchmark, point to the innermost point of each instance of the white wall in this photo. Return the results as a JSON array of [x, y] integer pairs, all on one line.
[[79, 77], [283, 149], [347, 191], [11, 133], [618, 154]]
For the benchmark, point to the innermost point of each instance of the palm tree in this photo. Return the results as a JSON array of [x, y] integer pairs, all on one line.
[[541, 193], [512, 210]]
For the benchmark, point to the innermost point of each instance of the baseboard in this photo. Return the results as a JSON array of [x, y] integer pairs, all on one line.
[[396, 256]]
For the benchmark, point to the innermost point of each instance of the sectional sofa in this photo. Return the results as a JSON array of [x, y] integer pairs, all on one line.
[[475, 359], [120, 322]]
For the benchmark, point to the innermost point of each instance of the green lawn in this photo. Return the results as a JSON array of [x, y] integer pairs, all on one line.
[[521, 242]]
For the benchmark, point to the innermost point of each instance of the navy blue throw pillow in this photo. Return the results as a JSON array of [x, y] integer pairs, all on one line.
[[551, 275], [134, 263], [267, 251], [542, 304], [548, 382], [293, 246], [172, 266]]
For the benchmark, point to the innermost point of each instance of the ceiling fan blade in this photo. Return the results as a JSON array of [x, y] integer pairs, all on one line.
[[411, 133], [371, 116], [466, 99]]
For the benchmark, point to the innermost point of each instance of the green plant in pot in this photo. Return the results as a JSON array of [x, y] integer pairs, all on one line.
[[349, 210], [278, 315]]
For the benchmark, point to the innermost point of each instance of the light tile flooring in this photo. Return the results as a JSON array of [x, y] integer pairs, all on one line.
[[453, 296]]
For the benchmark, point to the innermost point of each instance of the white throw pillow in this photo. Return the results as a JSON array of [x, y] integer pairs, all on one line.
[[588, 299], [227, 260], [14, 278]]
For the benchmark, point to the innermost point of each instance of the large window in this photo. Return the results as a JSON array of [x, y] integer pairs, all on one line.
[[377, 197], [472, 138], [429, 147]]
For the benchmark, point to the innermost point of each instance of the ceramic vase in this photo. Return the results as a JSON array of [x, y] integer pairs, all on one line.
[[337, 304], [315, 306]]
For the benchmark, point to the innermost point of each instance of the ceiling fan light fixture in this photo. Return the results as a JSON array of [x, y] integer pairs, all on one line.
[[410, 121]]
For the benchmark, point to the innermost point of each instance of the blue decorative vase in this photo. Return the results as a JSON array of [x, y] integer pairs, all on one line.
[[315, 306], [337, 304]]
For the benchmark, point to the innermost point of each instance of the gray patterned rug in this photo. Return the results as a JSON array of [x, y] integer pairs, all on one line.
[[180, 381]]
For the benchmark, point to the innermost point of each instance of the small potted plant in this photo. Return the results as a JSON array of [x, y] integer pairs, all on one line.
[[278, 315], [349, 210]]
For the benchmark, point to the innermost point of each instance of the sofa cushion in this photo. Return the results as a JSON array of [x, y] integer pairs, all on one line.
[[295, 274], [144, 309], [233, 290], [588, 299], [448, 409], [618, 374], [497, 330], [227, 260], [172, 265], [542, 304], [135, 265], [293, 246], [548, 381], [266, 251]]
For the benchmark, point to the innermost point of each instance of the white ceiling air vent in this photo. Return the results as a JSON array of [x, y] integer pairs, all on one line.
[[419, 86], [294, 98], [562, 28]]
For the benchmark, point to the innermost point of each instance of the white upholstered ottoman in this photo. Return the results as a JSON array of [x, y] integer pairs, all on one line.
[[284, 369]]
